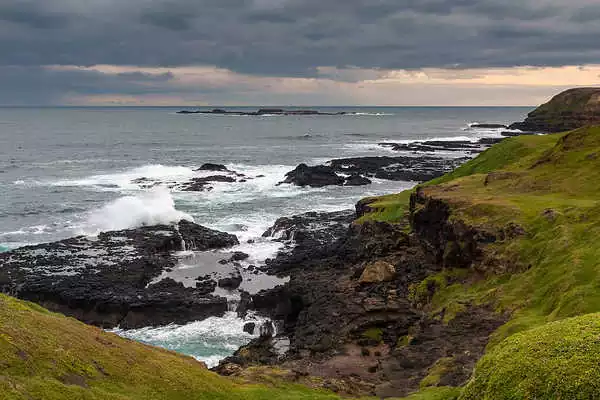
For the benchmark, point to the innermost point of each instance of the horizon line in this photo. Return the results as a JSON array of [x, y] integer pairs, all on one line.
[[261, 106]]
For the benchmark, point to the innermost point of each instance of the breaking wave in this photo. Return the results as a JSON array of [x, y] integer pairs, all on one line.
[[150, 208]]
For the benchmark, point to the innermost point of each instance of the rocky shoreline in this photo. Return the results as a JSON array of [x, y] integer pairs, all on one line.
[[338, 293], [347, 314]]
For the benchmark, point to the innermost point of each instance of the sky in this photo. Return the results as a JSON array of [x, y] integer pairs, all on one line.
[[296, 52]]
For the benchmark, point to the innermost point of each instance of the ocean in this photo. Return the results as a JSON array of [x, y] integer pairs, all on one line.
[[73, 171]]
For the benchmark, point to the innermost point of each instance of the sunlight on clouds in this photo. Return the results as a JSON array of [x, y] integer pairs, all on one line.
[[431, 86]]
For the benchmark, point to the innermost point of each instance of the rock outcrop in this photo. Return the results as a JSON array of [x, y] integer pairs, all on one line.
[[356, 171], [348, 314], [317, 176], [377, 272], [111, 280], [262, 112], [571, 109]]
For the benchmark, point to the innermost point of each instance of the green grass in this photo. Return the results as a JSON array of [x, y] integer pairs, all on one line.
[[559, 360], [375, 334], [389, 208], [549, 187], [439, 369], [47, 356]]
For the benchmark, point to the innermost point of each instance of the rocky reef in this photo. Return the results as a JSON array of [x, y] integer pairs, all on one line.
[[262, 112], [111, 280], [571, 109], [358, 171]]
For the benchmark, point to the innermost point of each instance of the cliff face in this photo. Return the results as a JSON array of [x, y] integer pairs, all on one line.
[[521, 222], [572, 109]]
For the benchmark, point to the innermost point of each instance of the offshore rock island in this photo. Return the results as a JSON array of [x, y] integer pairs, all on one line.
[[262, 111]]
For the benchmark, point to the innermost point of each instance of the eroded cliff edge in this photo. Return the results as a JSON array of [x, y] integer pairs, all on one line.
[[571, 109]]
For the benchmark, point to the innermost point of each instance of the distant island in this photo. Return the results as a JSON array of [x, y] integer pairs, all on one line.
[[263, 111]]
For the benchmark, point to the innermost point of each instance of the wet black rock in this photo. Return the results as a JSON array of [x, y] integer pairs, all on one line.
[[405, 168], [200, 238], [212, 167], [231, 282], [434, 146], [418, 169], [487, 126], [206, 284], [249, 328], [308, 233], [320, 227], [357, 180], [239, 256], [317, 176], [114, 279], [203, 184]]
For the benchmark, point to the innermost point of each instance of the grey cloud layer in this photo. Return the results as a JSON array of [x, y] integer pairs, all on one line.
[[294, 37]]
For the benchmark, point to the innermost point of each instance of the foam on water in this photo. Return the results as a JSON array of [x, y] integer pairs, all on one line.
[[148, 208], [209, 341], [373, 114], [124, 180]]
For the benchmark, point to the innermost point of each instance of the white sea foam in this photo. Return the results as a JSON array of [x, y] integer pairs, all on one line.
[[149, 208], [488, 132], [124, 180], [209, 341], [373, 114]]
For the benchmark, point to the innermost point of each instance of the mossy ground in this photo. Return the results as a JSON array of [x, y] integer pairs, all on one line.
[[563, 355], [548, 186], [47, 356]]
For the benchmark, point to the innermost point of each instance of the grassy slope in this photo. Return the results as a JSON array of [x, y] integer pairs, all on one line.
[[549, 186], [47, 356]]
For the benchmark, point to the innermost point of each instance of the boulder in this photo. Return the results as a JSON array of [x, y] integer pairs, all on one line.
[[231, 282], [571, 109], [377, 272], [250, 327], [239, 256], [203, 184], [212, 167], [357, 180], [317, 176]]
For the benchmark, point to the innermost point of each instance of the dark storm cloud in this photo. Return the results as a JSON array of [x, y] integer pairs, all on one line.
[[294, 37], [37, 85], [31, 15]]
